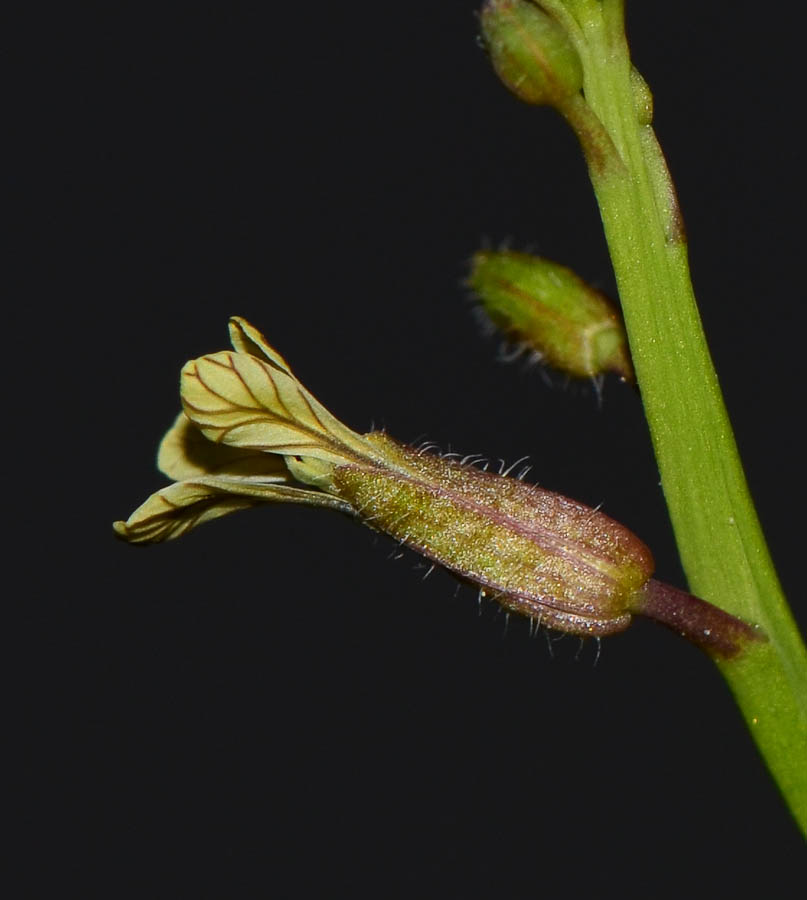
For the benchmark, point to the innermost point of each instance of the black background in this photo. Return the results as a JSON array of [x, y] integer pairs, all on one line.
[[271, 704]]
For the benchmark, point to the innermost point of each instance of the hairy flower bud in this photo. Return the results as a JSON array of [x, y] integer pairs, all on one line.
[[531, 52], [549, 309], [250, 433]]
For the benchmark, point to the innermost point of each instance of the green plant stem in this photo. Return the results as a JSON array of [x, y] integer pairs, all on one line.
[[722, 547]]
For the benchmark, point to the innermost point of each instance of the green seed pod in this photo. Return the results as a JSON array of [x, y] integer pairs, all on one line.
[[531, 52], [545, 306]]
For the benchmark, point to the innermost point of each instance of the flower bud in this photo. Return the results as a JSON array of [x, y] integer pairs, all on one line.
[[531, 52], [545, 306]]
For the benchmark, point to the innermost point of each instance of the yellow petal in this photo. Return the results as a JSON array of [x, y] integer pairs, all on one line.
[[257, 404], [180, 507], [246, 338], [186, 453]]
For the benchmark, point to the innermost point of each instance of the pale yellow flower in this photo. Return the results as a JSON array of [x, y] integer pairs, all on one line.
[[245, 413], [250, 433]]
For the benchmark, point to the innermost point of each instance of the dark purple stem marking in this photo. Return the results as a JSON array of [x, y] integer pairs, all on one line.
[[713, 630]]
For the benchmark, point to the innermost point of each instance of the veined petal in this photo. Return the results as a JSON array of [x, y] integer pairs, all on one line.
[[186, 453], [256, 403], [246, 338], [178, 508]]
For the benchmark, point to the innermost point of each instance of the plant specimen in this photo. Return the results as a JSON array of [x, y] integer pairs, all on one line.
[[250, 432]]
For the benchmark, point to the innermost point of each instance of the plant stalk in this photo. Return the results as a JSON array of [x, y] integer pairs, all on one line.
[[719, 537]]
